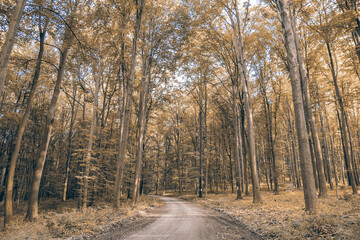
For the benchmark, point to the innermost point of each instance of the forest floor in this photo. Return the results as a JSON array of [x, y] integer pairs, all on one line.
[[283, 217], [63, 220], [277, 217]]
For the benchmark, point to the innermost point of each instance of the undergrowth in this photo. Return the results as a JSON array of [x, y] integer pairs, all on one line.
[[61, 220], [283, 216]]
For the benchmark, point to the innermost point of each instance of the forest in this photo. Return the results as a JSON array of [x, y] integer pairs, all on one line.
[[229, 104]]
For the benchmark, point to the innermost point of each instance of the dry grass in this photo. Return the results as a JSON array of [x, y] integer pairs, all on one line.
[[283, 217], [65, 220]]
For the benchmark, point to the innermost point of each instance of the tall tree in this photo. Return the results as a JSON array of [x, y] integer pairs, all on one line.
[[309, 115], [305, 157], [244, 83], [22, 125], [145, 82], [32, 212], [94, 110], [126, 110]]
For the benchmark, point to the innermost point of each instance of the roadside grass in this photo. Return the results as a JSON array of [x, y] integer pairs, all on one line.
[[283, 216], [61, 220]]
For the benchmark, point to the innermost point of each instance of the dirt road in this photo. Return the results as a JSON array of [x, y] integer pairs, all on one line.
[[182, 220]]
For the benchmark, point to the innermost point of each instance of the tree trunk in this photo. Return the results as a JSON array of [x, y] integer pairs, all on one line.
[[21, 130], [96, 75], [238, 146], [310, 117], [295, 159], [326, 151], [229, 153], [68, 156], [332, 155], [268, 124], [126, 110], [245, 150], [200, 151], [206, 153], [305, 158], [244, 83], [9, 41], [325, 143], [343, 122], [312, 156], [145, 81], [32, 212], [178, 153]]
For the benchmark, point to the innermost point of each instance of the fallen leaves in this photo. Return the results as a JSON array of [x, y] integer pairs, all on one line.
[[283, 217]]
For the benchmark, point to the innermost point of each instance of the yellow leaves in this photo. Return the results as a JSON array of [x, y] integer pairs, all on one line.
[[11, 116], [345, 20]]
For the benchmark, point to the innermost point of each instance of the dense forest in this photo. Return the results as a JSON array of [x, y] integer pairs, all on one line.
[[114, 99]]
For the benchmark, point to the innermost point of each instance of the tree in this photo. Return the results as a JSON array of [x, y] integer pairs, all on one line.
[[305, 158], [244, 83], [10, 178], [126, 107], [309, 115], [32, 212]]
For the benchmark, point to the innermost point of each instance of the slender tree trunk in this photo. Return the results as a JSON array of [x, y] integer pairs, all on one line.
[[229, 153], [306, 168], [206, 152], [325, 144], [141, 125], [326, 150], [268, 124], [21, 130], [178, 152], [126, 111], [244, 83], [32, 212], [310, 116], [352, 154], [332, 155], [200, 151], [346, 146], [245, 150], [157, 169], [316, 178], [96, 74], [9, 41], [298, 182], [68, 156], [237, 140]]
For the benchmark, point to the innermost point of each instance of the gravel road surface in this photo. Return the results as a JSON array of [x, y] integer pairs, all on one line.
[[183, 220]]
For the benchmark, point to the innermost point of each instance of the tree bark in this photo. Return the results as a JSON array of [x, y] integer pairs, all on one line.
[[268, 124], [245, 147], [126, 110], [32, 212], [237, 139], [244, 83], [178, 153], [346, 147], [68, 156], [145, 82], [21, 130], [305, 158], [310, 117], [200, 151], [293, 148], [96, 75]]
